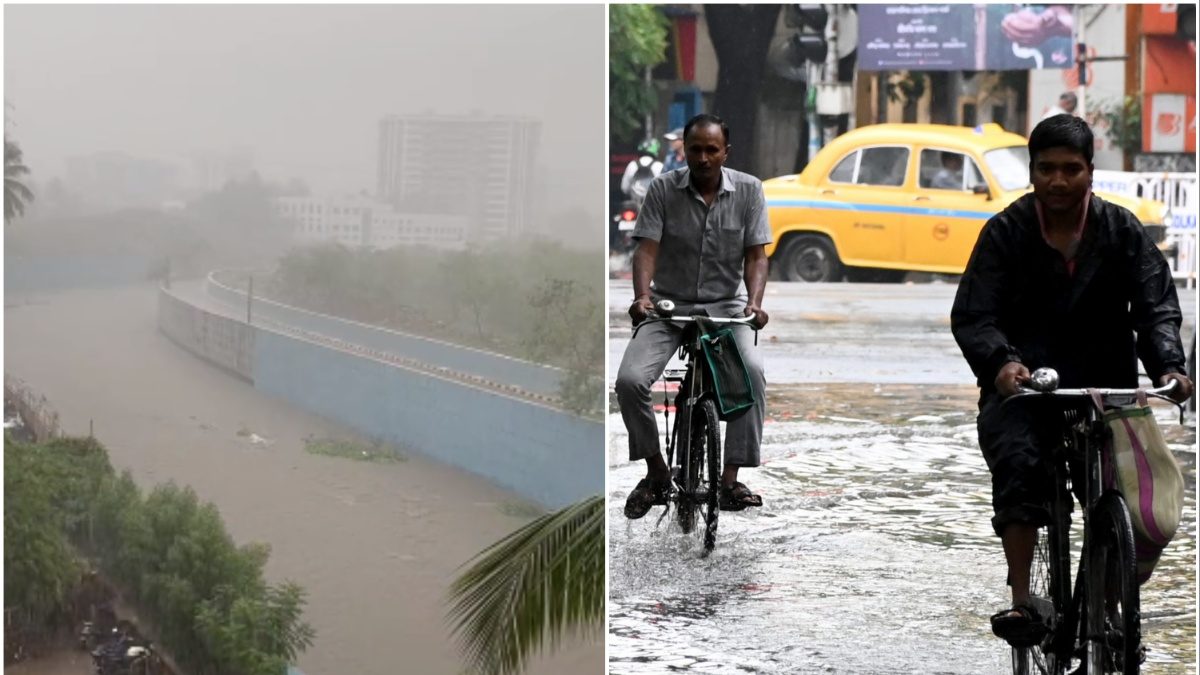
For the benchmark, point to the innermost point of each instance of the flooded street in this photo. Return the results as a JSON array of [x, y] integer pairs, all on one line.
[[873, 552]]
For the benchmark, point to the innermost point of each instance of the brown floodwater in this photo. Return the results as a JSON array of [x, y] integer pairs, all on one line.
[[375, 545]]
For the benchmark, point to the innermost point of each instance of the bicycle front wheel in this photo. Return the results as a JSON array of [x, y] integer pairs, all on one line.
[[691, 462], [1113, 606], [1050, 585], [710, 436]]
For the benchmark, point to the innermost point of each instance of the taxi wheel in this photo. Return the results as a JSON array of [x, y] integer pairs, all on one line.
[[810, 258]]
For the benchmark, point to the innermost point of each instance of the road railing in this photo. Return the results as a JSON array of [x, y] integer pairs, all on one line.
[[1179, 192]]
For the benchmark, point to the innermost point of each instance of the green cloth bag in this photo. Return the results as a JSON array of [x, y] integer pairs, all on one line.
[[731, 381]]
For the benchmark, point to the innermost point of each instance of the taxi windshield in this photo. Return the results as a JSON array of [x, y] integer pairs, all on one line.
[[1010, 166]]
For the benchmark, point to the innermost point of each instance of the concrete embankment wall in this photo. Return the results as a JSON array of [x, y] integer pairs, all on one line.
[[532, 377], [548, 456], [223, 341]]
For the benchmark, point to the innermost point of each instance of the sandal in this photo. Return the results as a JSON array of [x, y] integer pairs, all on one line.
[[738, 497], [1021, 626], [647, 494]]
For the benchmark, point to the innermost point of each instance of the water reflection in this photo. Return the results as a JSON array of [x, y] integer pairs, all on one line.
[[873, 554]]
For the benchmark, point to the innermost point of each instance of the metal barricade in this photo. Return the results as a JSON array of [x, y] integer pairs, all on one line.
[[1179, 192]]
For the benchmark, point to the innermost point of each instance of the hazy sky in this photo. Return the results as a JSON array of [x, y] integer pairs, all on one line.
[[303, 87]]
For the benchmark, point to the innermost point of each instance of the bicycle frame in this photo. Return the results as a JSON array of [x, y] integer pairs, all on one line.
[[692, 389], [1085, 440], [695, 386]]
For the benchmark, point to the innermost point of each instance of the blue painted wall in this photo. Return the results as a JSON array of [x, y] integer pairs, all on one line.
[[495, 367], [548, 456]]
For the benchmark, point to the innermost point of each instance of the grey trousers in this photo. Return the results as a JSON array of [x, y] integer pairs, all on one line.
[[644, 361]]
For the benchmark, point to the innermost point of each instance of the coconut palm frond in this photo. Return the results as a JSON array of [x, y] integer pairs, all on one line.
[[12, 187], [532, 587], [16, 195]]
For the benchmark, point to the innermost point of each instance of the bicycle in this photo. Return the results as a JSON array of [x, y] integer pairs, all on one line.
[[696, 479], [1098, 620]]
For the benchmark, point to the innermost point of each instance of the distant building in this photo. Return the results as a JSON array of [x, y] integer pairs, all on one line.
[[363, 223], [211, 170], [116, 180], [476, 166]]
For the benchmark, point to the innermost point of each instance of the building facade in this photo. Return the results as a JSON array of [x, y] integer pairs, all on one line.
[[474, 166], [363, 223]]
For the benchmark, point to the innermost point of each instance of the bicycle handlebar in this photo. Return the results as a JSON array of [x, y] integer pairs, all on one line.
[[746, 320], [1160, 392], [1050, 379], [655, 318]]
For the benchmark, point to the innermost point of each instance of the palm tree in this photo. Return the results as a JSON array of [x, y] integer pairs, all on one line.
[[533, 586], [16, 195]]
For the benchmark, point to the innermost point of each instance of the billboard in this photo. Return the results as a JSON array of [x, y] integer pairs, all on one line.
[[965, 37]]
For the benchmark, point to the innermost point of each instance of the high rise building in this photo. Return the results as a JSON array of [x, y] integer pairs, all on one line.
[[476, 166]]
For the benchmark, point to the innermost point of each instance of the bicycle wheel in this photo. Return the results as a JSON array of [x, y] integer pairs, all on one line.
[[688, 481], [1050, 583], [1114, 621], [710, 436]]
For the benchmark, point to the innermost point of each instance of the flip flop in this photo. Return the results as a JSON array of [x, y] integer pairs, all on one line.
[[738, 497], [645, 495]]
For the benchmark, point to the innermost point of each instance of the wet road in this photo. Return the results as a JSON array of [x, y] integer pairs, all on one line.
[[873, 552]]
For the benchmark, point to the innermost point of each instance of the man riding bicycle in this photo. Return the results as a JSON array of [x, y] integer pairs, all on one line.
[[701, 238], [1059, 279]]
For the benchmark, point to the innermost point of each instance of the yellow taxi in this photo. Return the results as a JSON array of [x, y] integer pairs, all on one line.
[[883, 200]]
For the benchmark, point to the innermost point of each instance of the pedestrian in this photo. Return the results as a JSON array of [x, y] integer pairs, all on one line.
[[1067, 103], [701, 237], [675, 156], [1060, 279]]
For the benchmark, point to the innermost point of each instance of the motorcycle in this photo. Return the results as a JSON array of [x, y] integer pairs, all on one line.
[[621, 243]]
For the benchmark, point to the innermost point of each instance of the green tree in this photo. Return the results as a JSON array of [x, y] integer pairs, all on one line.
[[39, 567], [16, 195], [637, 41], [1123, 119], [571, 332], [258, 634], [538, 584], [170, 549]]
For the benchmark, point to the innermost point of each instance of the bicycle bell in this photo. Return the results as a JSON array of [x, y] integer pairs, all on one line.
[[665, 307], [1044, 379]]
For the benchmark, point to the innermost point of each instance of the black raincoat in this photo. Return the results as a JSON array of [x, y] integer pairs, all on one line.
[[1017, 302]]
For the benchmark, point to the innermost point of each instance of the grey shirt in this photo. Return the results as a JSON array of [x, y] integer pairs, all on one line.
[[702, 248]]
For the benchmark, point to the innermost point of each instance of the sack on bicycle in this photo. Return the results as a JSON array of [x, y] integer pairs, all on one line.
[[1140, 465], [731, 380]]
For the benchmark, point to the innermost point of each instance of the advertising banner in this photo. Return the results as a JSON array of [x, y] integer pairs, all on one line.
[[965, 37]]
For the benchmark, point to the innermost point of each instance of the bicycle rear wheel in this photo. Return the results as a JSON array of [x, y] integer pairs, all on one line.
[[1050, 583], [711, 435], [1113, 606]]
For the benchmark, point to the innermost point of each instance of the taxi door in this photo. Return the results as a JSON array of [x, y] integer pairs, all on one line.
[[949, 205], [862, 201]]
